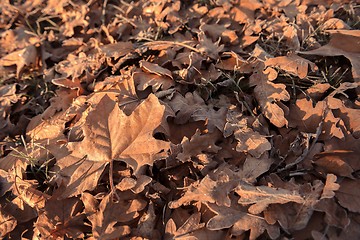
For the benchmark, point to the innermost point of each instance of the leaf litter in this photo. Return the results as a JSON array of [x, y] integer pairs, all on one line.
[[179, 119]]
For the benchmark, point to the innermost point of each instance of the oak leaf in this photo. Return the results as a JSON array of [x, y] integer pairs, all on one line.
[[348, 194], [248, 140], [110, 135], [240, 221], [106, 216], [292, 64], [268, 94], [345, 43], [21, 58], [262, 196], [330, 186]]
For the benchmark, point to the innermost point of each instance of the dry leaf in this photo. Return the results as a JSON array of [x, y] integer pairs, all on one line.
[[292, 64], [240, 222], [123, 138], [62, 218], [348, 194], [330, 186], [108, 218], [262, 196], [7, 223], [342, 42], [21, 58], [267, 94]]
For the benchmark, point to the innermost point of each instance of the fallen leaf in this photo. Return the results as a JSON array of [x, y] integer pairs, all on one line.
[[262, 196], [7, 223], [330, 186], [345, 43], [268, 94], [62, 218], [348, 194], [292, 64], [239, 222], [136, 147], [108, 218]]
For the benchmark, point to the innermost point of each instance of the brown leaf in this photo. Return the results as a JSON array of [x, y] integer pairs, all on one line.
[[292, 64], [7, 223], [267, 94], [342, 42], [217, 31], [334, 214], [116, 50], [116, 137], [21, 58], [185, 231], [62, 218], [262, 196], [106, 214], [348, 194], [330, 186], [213, 188], [248, 140], [240, 221]]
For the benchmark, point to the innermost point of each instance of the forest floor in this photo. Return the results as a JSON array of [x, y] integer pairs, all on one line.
[[169, 119]]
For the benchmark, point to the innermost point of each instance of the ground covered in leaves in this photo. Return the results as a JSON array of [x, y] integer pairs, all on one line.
[[169, 119]]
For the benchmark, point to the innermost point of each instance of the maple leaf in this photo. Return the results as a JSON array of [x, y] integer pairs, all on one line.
[[342, 42], [110, 135], [268, 93], [104, 215], [227, 217]]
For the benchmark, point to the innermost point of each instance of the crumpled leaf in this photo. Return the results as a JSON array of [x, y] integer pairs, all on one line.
[[345, 43], [116, 137]]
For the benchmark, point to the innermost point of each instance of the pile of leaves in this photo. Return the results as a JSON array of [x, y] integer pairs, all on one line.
[[169, 119]]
